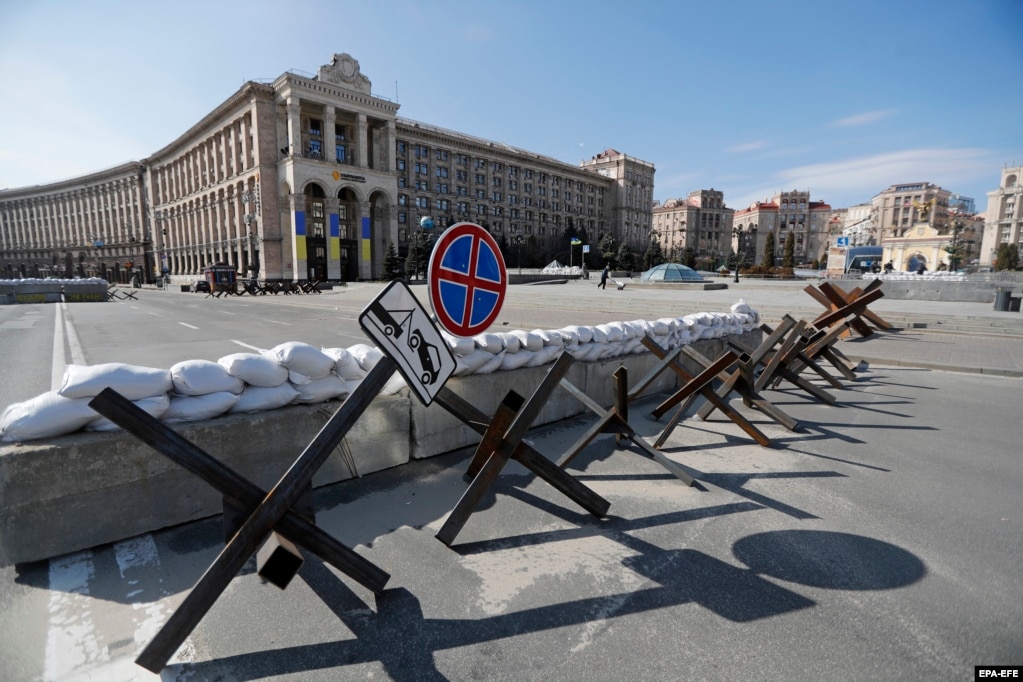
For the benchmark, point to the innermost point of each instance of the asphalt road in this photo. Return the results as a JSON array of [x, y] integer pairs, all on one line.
[[883, 542]]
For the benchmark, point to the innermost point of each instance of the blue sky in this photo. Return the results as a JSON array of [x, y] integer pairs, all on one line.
[[748, 97]]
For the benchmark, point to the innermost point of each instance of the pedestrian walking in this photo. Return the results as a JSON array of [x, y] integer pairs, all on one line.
[[603, 277]]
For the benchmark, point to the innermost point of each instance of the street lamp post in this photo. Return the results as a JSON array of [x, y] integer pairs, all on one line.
[[250, 222], [518, 240]]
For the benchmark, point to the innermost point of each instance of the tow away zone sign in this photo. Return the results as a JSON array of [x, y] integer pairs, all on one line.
[[401, 327]]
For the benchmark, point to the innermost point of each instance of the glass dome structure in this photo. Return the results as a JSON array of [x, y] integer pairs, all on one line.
[[671, 272]]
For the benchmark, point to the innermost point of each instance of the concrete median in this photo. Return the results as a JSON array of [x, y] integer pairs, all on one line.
[[87, 489]]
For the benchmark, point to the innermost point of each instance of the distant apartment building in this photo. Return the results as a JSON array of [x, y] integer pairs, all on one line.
[[786, 215], [312, 178], [895, 210], [701, 222], [857, 226], [1004, 215]]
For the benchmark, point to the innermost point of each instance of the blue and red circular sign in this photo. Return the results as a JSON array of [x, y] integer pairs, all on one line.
[[467, 279]]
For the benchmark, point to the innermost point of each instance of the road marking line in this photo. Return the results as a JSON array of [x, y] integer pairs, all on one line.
[[185, 324], [58, 363], [286, 324], [71, 641], [77, 354], [245, 345]]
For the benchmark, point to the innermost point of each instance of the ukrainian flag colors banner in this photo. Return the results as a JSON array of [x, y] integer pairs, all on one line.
[[300, 252], [366, 251], [335, 234]]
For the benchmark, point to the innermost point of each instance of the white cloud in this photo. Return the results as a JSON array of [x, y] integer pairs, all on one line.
[[747, 146], [861, 119], [865, 176]]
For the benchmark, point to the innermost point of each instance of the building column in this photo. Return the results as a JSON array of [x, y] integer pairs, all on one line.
[[329, 139], [390, 137], [360, 141], [294, 127]]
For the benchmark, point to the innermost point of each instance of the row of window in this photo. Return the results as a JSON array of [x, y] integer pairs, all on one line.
[[497, 197], [462, 191], [315, 128], [482, 210], [480, 164]]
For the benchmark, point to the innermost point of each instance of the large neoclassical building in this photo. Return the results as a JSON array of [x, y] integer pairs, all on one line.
[[312, 177]]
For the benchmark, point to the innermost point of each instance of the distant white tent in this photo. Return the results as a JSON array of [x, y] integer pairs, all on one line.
[[556, 268], [552, 267]]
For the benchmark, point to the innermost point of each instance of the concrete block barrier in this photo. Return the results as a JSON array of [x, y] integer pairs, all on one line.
[[86, 489]]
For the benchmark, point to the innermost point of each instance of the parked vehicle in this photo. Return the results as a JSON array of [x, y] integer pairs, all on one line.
[[202, 286]]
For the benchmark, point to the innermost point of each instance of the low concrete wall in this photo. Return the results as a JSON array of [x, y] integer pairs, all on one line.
[[52, 291], [937, 290], [88, 489]]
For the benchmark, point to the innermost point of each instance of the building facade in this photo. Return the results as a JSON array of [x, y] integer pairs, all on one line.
[[787, 215], [701, 222], [312, 178], [92, 226], [1004, 215]]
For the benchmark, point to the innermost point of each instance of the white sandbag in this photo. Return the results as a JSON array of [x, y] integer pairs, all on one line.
[[613, 349], [490, 342], [740, 307], [511, 342], [366, 355], [633, 346], [394, 384], [599, 334], [44, 416], [707, 319], [329, 387], [550, 337], [689, 322], [664, 326], [531, 341], [459, 345], [493, 364], [303, 358], [544, 356], [194, 408], [199, 377], [155, 406], [132, 382], [255, 369], [345, 364], [297, 378], [613, 330], [516, 360], [581, 332], [261, 398], [468, 364]]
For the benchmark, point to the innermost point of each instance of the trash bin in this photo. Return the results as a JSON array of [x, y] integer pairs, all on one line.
[[1002, 296], [1014, 304]]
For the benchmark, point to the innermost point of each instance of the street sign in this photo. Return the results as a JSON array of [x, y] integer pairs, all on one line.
[[467, 279], [842, 241], [402, 329]]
